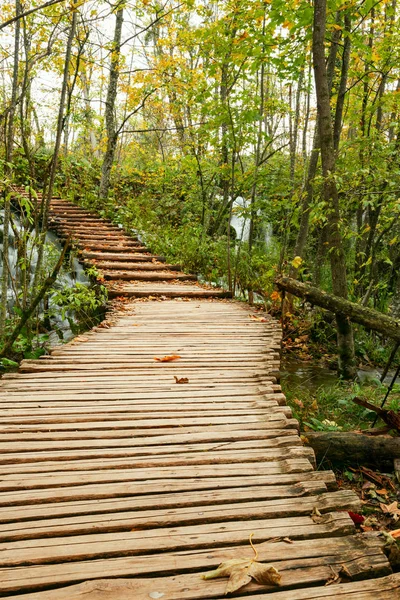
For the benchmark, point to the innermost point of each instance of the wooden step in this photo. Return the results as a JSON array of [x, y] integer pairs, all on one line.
[[148, 276], [122, 256], [134, 266]]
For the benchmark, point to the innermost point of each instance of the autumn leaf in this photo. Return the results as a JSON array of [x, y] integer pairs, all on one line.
[[318, 518], [390, 509], [356, 518], [181, 379], [168, 358], [296, 262], [275, 296], [259, 319], [242, 570]]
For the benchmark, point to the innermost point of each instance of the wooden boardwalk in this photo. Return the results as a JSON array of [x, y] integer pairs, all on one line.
[[119, 482]]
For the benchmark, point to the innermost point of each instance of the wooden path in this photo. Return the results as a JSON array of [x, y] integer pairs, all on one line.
[[118, 482]]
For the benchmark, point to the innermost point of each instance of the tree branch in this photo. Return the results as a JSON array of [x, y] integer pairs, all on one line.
[[29, 12]]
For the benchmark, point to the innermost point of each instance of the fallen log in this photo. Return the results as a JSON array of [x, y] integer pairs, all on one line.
[[391, 418], [342, 448], [370, 318]]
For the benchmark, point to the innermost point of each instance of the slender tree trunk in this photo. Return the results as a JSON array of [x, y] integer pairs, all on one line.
[[46, 198], [8, 170], [361, 238], [91, 135], [337, 128], [337, 257], [256, 169], [112, 135], [308, 189]]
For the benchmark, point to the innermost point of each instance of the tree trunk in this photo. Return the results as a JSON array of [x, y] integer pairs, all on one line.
[[7, 169], [337, 129], [54, 162], [26, 315], [337, 258], [370, 318], [308, 191], [112, 136]]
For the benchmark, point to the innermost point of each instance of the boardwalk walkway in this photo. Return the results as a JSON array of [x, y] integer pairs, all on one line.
[[125, 477]]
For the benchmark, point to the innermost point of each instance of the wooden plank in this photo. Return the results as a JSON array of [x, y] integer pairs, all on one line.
[[297, 557], [90, 546], [51, 479], [191, 587], [152, 421], [127, 453], [171, 515], [276, 493], [157, 486]]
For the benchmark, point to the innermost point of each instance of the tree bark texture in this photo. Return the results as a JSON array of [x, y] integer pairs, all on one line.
[[370, 318], [9, 151], [308, 190], [112, 135], [354, 448], [336, 253]]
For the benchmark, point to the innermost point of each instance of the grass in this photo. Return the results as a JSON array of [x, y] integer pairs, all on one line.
[[330, 408]]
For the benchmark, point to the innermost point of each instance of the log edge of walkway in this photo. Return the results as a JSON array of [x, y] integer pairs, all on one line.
[[370, 318]]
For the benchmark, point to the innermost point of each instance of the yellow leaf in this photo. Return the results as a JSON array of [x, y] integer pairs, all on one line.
[[296, 262]]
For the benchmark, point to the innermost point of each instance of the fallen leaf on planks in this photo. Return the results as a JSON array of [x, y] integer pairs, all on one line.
[[256, 318], [333, 578], [168, 358], [181, 379], [318, 518], [242, 570]]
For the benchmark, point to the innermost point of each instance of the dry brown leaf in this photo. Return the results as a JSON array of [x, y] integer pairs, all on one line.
[[390, 509], [344, 572], [317, 517], [168, 358], [259, 319], [242, 570], [333, 578], [181, 379]]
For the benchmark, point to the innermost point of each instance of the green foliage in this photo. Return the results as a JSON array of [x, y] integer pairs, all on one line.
[[81, 305], [8, 364], [330, 407]]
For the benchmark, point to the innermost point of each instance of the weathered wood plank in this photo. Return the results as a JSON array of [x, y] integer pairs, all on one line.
[[90, 546], [156, 486], [296, 556], [276, 493], [170, 516]]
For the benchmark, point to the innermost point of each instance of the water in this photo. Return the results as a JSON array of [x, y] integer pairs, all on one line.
[[239, 221], [300, 374], [75, 274]]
